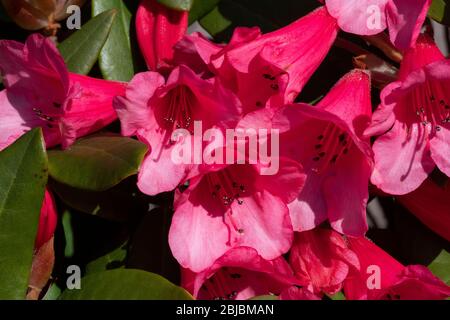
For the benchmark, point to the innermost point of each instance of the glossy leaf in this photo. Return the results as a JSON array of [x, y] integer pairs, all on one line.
[[181, 5], [81, 50], [23, 176], [265, 298], [200, 8], [126, 284], [441, 266], [116, 59], [440, 11], [112, 260], [97, 163]]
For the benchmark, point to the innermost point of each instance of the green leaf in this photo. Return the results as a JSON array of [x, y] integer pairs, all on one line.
[[117, 204], [181, 5], [268, 297], [97, 163], [440, 11], [81, 50], [337, 296], [69, 248], [441, 266], [23, 176], [126, 284], [53, 292], [200, 8], [116, 58], [112, 260]]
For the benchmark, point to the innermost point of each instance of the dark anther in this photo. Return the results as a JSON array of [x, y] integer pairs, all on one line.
[[397, 296], [240, 202], [217, 186], [320, 137], [432, 98], [318, 146], [438, 128], [274, 86], [258, 104], [235, 276], [334, 159], [322, 154], [447, 107], [345, 151], [241, 231], [267, 76], [316, 158], [342, 137], [49, 126], [57, 105], [442, 102]]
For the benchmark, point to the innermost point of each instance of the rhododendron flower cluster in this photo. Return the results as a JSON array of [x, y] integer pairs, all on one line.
[[273, 194]]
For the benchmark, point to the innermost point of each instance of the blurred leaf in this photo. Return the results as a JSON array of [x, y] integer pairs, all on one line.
[[69, 248], [97, 163], [23, 176], [116, 59], [200, 8], [440, 11], [337, 296], [81, 50], [118, 203], [181, 5], [265, 298], [126, 284], [53, 292], [441, 266], [3, 15], [266, 14], [112, 260], [149, 248]]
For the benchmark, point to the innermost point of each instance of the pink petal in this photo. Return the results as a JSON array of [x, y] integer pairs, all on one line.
[[362, 17], [404, 170], [240, 270], [47, 221], [198, 235], [347, 193], [430, 203], [350, 100], [133, 109], [405, 19], [320, 258], [158, 30], [89, 109], [298, 49]]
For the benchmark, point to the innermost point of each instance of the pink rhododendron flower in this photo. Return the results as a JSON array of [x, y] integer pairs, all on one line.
[[403, 18], [321, 260], [40, 92], [327, 140], [232, 207], [383, 277], [269, 69], [154, 108], [158, 29], [413, 121], [430, 203], [239, 274], [47, 221]]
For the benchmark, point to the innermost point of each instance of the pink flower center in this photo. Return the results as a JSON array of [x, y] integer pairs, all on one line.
[[224, 188], [51, 118], [332, 145], [179, 109], [432, 109], [219, 286]]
